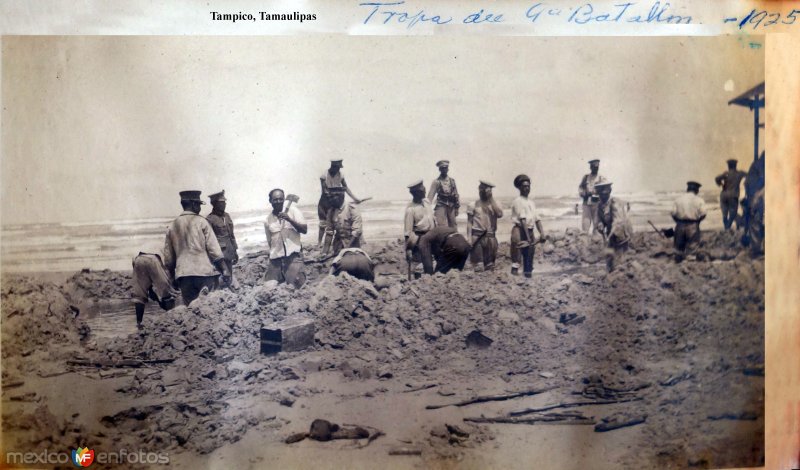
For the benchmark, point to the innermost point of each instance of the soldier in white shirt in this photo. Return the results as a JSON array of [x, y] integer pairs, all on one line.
[[687, 212], [283, 228], [524, 218]]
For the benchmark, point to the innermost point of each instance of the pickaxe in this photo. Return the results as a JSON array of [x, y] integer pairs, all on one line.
[[665, 233]]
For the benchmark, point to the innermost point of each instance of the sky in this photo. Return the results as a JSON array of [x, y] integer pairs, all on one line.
[[113, 127]]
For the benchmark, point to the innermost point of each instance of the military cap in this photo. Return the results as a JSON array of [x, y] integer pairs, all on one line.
[[337, 162], [486, 183], [602, 184], [519, 179], [594, 161], [732, 160], [191, 196], [694, 184], [442, 163], [220, 196], [416, 185]]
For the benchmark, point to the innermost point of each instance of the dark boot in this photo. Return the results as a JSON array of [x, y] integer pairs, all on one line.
[[139, 314]]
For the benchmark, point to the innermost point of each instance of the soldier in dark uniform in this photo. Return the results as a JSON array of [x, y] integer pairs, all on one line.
[[444, 190], [444, 244], [729, 197], [223, 228]]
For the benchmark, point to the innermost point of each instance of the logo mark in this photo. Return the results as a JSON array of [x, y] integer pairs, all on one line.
[[82, 457]]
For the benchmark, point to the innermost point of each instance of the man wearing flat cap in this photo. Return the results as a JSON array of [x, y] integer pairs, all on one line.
[[223, 228], [444, 190], [729, 197], [524, 218], [331, 182], [191, 251], [482, 218], [688, 211], [588, 194], [418, 220], [613, 223]]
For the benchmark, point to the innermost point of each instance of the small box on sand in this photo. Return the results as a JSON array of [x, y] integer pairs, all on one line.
[[293, 334]]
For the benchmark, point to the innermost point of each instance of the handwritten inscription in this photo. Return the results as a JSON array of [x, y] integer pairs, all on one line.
[[763, 19], [398, 13], [619, 13]]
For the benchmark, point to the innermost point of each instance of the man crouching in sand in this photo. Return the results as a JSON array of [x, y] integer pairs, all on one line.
[[151, 281], [612, 215]]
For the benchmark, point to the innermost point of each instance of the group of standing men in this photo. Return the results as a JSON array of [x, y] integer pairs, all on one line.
[[432, 233], [199, 252]]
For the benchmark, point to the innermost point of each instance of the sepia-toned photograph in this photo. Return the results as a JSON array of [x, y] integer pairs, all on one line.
[[326, 251]]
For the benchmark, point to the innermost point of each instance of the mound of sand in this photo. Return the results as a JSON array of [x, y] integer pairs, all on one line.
[[39, 325], [678, 334]]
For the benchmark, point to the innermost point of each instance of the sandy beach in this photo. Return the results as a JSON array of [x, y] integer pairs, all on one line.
[[674, 352]]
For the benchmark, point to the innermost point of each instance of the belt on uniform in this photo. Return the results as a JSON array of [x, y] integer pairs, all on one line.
[[441, 246], [687, 221], [478, 233]]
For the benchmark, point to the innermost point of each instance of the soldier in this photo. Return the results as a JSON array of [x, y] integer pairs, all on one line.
[[331, 182], [482, 218], [729, 196], [613, 223], [283, 228], [444, 244], [151, 281], [347, 224], [355, 262], [418, 220], [191, 251], [687, 212], [524, 218], [444, 190], [223, 228], [590, 198]]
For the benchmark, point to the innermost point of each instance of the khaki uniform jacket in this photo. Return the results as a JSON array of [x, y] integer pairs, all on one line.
[[190, 247]]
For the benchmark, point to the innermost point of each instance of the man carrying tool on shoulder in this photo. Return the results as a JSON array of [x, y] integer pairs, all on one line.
[[283, 228]]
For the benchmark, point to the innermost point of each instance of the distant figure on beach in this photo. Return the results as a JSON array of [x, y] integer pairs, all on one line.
[[524, 218], [191, 251], [222, 224], [348, 227], [482, 218], [613, 223], [332, 182], [446, 246], [729, 197], [587, 192], [688, 211], [355, 262], [418, 220], [151, 281], [444, 190], [283, 228]]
